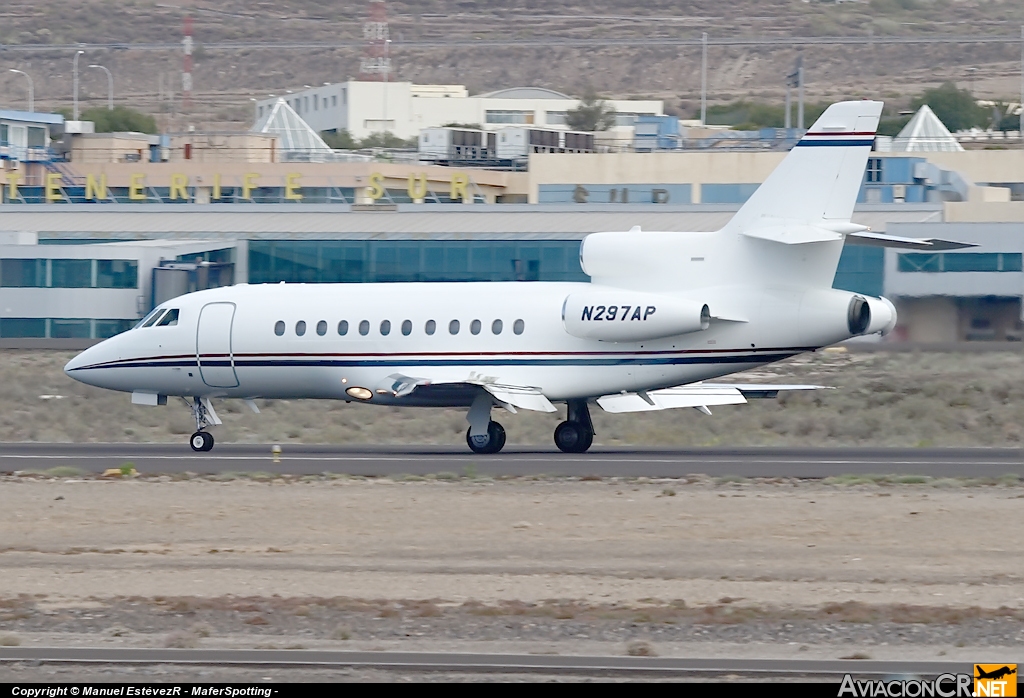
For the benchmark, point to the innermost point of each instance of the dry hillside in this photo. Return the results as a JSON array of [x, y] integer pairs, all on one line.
[[226, 77]]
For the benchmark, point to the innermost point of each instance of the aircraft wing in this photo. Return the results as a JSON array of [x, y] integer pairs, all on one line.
[[697, 395], [523, 397]]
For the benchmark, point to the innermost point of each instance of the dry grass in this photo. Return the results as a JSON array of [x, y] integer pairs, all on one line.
[[9, 640], [882, 399]]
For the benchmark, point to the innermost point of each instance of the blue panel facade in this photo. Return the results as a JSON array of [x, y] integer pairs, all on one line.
[[861, 270], [726, 193]]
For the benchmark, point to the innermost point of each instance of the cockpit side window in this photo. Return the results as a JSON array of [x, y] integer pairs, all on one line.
[[154, 317], [170, 318], [140, 323]]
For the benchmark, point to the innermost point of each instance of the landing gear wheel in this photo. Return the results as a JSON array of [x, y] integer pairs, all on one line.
[[201, 441], [573, 437], [492, 442]]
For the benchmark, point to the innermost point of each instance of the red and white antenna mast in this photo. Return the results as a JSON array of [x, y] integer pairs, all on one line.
[[186, 70], [375, 64]]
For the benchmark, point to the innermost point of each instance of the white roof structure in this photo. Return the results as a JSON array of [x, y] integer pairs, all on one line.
[[925, 133], [299, 142]]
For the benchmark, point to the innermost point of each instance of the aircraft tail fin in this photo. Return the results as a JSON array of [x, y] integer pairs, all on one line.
[[818, 181]]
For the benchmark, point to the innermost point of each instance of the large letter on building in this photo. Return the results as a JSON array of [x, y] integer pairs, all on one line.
[[53, 187], [137, 187], [248, 184], [179, 187], [12, 186], [376, 188], [96, 190], [292, 186], [459, 183], [417, 186], [216, 186]]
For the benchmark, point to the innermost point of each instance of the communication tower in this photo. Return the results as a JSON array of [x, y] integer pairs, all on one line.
[[375, 65]]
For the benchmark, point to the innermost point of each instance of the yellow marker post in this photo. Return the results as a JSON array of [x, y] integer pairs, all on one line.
[[292, 186], [275, 451], [179, 187], [248, 184], [137, 187], [53, 187]]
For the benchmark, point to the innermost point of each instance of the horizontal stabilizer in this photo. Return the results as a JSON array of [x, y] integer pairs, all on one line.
[[870, 239], [793, 234]]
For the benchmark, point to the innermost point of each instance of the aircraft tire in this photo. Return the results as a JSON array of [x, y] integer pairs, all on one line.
[[573, 437], [495, 440], [201, 441]]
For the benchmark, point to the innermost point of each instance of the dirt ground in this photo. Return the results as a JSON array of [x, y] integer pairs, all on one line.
[[688, 567]]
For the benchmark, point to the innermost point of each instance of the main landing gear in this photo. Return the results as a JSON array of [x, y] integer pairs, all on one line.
[[202, 412], [483, 435], [576, 434]]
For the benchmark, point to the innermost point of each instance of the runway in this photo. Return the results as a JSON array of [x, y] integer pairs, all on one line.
[[486, 663], [377, 461]]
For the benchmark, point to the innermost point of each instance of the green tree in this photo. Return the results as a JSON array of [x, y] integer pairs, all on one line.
[[387, 140], [116, 119], [593, 114], [955, 108], [340, 140], [456, 124]]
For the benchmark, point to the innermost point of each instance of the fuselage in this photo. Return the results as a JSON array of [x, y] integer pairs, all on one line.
[[319, 340]]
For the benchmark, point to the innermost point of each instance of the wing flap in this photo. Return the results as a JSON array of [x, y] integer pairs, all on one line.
[[671, 398], [523, 398]]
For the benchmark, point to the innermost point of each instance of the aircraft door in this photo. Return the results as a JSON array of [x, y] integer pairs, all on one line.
[[213, 345]]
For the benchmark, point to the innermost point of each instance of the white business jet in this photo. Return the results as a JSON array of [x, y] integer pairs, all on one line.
[[663, 312]]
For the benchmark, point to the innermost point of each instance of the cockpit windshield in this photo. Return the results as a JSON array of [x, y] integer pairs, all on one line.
[[170, 318], [149, 319]]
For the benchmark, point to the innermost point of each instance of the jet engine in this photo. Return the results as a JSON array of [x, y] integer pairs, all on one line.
[[614, 315], [828, 316]]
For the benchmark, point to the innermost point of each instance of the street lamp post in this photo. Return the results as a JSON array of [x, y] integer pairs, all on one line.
[[31, 89], [387, 71], [110, 86], [75, 87], [703, 78]]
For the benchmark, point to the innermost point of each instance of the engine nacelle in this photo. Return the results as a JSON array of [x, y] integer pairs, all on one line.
[[828, 316], [614, 315]]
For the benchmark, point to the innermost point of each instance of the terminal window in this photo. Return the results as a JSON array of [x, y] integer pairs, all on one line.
[[960, 262]]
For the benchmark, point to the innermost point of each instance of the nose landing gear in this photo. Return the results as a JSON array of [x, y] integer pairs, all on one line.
[[201, 441], [203, 413], [491, 442], [576, 434]]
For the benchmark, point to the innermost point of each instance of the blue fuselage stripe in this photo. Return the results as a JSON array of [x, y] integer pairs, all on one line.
[[371, 363]]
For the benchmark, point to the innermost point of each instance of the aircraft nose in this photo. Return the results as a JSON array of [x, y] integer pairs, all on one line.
[[83, 368]]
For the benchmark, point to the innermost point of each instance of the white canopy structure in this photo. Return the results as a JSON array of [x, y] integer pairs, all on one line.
[[299, 142], [925, 133]]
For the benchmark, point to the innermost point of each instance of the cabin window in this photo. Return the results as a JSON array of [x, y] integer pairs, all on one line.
[[407, 327], [453, 327], [343, 328], [496, 327], [300, 327], [321, 328], [474, 327], [385, 328], [364, 327], [518, 326], [430, 327], [279, 328], [169, 318]]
